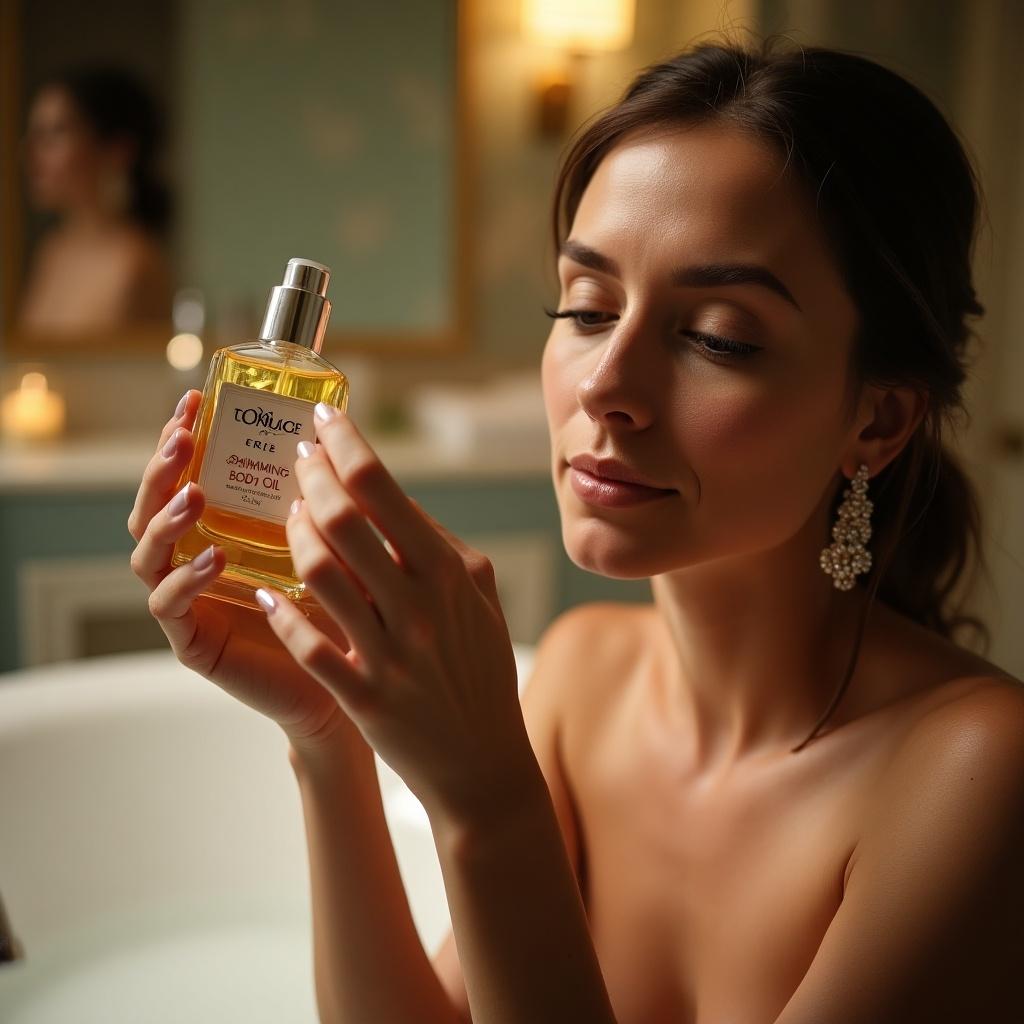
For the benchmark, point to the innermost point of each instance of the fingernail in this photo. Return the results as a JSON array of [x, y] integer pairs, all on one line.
[[305, 449], [267, 600], [296, 505], [181, 404], [203, 560], [180, 502], [171, 446], [324, 412]]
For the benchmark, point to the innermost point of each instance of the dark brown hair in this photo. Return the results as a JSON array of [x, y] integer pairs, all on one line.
[[898, 199], [116, 104]]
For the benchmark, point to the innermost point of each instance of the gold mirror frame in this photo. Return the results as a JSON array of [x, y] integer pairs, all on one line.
[[152, 340]]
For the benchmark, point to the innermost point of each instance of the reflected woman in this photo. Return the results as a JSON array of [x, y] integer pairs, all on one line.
[[90, 145]]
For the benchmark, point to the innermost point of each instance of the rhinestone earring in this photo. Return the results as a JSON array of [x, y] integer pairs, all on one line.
[[846, 557]]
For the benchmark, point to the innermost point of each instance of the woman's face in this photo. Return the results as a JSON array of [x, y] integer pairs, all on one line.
[[750, 444], [63, 160]]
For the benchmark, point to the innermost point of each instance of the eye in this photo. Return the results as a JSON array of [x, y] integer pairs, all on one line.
[[577, 315], [722, 348], [715, 348]]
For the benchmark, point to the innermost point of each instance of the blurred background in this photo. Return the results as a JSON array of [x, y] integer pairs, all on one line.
[[161, 163]]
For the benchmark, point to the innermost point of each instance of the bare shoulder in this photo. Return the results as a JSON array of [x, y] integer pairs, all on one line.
[[977, 723], [581, 642], [595, 643], [962, 696], [929, 925], [598, 616], [582, 666], [615, 626], [964, 750]]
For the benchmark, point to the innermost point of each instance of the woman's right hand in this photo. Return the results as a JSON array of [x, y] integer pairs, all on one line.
[[231, 645]]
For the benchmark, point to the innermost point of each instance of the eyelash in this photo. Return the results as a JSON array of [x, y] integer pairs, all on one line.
[[734, 349]]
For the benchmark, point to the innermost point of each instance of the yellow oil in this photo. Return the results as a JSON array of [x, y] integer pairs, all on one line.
[[257, 549]]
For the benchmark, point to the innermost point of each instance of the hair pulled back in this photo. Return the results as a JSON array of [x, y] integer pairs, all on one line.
[[898, 201]]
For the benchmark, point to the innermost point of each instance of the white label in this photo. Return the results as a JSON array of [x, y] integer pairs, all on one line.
[[250, 457]]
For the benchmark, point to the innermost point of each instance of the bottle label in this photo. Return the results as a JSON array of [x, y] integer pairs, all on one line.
[[250, 458]]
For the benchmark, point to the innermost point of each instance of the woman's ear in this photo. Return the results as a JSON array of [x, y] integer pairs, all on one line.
[[895, 413]]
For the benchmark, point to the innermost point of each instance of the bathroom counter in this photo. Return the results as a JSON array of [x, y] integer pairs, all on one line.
[[115, 462]]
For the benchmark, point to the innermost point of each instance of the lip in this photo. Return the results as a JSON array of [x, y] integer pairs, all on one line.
[[611, 494], [612, 470]]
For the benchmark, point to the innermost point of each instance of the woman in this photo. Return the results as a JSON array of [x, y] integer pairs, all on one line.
[[90, 148], [782, 799]]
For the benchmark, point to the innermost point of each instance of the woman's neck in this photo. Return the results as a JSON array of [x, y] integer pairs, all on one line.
[[756, 648], [93, 220]]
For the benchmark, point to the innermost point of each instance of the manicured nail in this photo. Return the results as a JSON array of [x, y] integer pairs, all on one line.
[[296, 505], [171, 446], [267, 600], [181, 405], [324, 412], [180, 502], [305, 449], [203, 560]]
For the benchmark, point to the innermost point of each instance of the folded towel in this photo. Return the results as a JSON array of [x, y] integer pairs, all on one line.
[[505, 416]]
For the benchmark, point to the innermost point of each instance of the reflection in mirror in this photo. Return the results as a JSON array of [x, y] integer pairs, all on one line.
[[89, 154], [196, 147]]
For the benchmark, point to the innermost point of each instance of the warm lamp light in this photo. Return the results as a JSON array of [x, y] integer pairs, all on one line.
[[583, 26], [185, 351], [578, 28], [32, 412]]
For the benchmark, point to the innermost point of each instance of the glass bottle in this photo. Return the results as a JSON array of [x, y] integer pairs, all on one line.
[[257, 405]]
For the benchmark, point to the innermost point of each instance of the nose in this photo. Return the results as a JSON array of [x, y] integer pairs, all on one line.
[[620, 388]]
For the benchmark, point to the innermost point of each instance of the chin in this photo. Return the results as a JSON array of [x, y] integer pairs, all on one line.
[[613, 550]]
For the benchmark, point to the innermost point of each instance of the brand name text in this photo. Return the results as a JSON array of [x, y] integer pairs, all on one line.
[[265, 418]]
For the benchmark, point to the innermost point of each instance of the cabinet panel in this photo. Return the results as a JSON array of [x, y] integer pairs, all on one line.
[[84, 539]]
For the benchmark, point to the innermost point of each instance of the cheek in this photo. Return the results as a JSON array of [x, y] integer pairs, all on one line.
[[557, 385], [731, 422], [790, 409], [62, 161], [753, 439], [83, 160]]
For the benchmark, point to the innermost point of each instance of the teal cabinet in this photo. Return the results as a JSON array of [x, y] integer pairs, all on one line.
[[66, 587]]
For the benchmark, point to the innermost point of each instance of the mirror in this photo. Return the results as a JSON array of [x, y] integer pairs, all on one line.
[[163, 162]]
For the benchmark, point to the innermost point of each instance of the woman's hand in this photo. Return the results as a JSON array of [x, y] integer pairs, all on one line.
[[430, 679], [228, 644]]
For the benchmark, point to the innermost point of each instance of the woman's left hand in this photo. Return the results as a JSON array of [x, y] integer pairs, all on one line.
[[430, 679]]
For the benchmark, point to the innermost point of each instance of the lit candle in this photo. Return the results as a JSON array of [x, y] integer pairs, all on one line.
[[33, 412]]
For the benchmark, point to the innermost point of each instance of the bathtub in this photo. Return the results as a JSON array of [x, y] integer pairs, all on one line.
[[152, 851]]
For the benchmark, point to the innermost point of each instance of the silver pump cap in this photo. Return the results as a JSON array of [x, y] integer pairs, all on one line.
[[298, 308]]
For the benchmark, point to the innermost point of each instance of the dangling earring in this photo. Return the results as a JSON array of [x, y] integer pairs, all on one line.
[[846, 557]]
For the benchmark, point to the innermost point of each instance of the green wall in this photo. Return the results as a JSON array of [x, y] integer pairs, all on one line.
[[323, 130]]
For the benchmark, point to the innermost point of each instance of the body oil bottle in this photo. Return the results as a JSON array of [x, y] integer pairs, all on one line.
[[257, 405]]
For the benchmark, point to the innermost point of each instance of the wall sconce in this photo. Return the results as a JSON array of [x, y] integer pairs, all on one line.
[[576, 28]]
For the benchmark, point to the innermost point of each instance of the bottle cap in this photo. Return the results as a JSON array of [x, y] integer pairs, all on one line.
[[298, 309]]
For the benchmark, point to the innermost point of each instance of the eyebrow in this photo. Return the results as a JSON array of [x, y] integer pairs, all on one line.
[[702, 275]]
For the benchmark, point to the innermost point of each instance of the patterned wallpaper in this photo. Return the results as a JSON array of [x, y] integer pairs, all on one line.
[[320, 129]]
